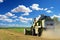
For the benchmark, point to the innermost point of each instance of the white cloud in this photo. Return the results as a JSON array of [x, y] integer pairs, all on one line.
[[5, 18], [11, 20], [2, 17], [36, 7], [51, 7], [22, 19], [22, 8], [1, 1], [58, 16], [41, 8], [53, 16], [14, 17], [8, 20], [15, 20], [9, 14], [25, 14], [49, 11], [46, 9]]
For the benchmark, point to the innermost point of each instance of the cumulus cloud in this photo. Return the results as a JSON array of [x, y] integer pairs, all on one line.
[[36, 7], [22, 8], [11, 20], [9, 14], [8, 20], [25, 14], [58, 16], [5, 18], [22, 19], [51, 7], [14, 17], [46, 9], [2, 17], [1, 1], [49, 11]]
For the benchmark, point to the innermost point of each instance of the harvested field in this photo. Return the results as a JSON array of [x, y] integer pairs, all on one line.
[[12, 35]]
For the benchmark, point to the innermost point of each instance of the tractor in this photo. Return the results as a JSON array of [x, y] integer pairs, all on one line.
[[39, 25]]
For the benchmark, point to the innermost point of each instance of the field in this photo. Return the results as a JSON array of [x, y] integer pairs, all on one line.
[[17, 34]]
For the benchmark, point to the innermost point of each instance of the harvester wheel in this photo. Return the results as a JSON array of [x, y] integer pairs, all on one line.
[[40, 31], [33, 32], [25, 31]]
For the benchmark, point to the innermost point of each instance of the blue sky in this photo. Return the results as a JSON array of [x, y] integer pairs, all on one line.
[[21, 12]]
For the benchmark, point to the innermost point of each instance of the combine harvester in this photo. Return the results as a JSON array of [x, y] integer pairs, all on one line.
[[43, 23]]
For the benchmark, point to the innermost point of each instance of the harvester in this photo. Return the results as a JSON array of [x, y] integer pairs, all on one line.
[[39, 25]]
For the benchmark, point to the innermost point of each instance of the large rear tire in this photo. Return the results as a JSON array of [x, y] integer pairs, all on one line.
[[40, 31]]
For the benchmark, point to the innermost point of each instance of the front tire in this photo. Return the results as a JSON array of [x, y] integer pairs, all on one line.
[[25, 31]]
